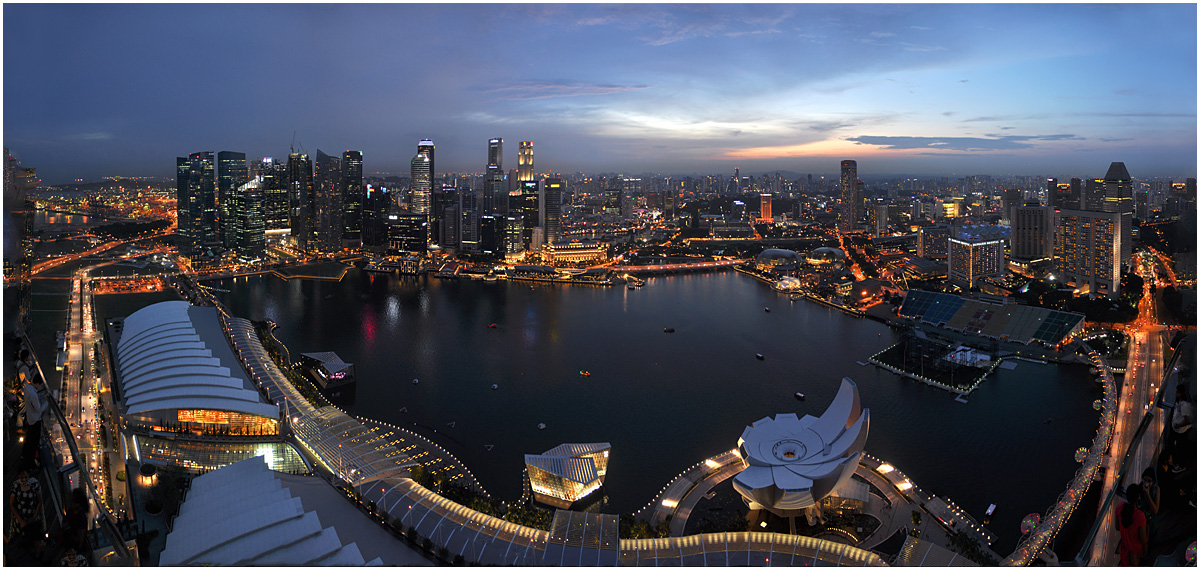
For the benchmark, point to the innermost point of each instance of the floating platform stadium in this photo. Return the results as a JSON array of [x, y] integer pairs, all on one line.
[[1013, 323]]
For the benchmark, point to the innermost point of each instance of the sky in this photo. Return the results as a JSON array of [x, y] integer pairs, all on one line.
[[94, 90]]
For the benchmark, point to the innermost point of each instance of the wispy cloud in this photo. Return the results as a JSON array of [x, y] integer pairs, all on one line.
[[94, 136], [973, 144], [883, 34], [553, 89], [921, 28]]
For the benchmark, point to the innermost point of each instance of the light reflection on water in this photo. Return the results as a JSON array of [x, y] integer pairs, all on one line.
[[665, 401]]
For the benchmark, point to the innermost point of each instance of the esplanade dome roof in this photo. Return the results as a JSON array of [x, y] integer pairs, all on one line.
[[778, 257], [823, 255]]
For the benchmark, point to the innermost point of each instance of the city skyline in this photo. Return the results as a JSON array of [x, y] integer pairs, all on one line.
[[951, 89]]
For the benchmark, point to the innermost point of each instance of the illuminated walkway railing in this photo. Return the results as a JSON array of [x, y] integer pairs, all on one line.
[[1058, 514]]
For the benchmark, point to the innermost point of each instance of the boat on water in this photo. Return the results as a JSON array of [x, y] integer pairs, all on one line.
[[800, 396], [541, 426], [584, 373], [492, 326], [668, 330], [495, 386], [767, 309], [759, 356], [415, 381], [987, 516]]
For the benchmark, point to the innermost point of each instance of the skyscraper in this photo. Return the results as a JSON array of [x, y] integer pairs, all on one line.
[[353, 196], [328, 202], [422, 179], [196, 201], [300, 192], [764, 208], [1032, 232], [552, 191], [495, 197], [1087, 250], [273, 179], [425, 146], [1118, 198], [248, 224], [376, 207], [525, 161], [847, 217], [231, 175], [972, 259], [530, 209]]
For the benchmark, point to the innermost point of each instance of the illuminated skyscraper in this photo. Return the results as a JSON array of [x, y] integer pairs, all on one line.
[[328, 202], [248, 224], [300, 192], [273, 178], [530, 209], [552, 191], [847, 217], [972, 259], [196, 201], [1118, 198], [931, 241], [525, 161], [764, 208], [425, 146], [353, 196], [422, 178], [1087, 250], [231, 175], [495, 197]]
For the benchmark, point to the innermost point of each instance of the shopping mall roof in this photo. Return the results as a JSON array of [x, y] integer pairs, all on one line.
[[173, 355], [247, 515]]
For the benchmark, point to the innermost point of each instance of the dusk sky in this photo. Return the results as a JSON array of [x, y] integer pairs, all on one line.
[[1060, 90]]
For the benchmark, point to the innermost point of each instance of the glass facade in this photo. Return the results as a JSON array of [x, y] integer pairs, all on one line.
[[202, 456]]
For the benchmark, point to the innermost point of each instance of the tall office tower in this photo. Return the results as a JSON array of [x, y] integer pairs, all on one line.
[[1141, 205], [860, 203], [881, 220], [196, 201], [408, 232], [764, 208], [530, 210], [551, 202], [300, 194], [468, 221], [1118, 198], [495, 195], [422, 181], [1075, 200], [425, 146], [376, 207], [492, 235], [972, 259], [1087, 249], [353, 195], [847, 220], [612, 201], [444, 220], [525, 161], [514, 233], [328, 202], [1092, 198], [231, 175], [1011, 197], [931, 241], [273, 178], [1051, 192], [249, 221], [1032, 232]]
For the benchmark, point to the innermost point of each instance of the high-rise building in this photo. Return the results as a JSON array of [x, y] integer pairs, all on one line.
[[422, 180], [551, 205], [425, 146], [931, 241], [1032, 232], [612, 201], [847, 217], [973, 259], [248, 223], [273, 179], [764, 208], [300, 192], [881, 220], [492, 235], [196, 201], [353, 195], [525, 161], [376, 207], [468, 221], [1118, 198], [328, 202], [408, 232], [447, 216], [231, 175], [530, 210], [1087, 250], [495, 196], [1051, 192]]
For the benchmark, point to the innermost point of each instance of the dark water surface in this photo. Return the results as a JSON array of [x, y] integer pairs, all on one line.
[[665, 401]]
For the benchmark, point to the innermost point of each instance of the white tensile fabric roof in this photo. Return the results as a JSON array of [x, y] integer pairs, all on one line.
[[173, 355], [242, 515]]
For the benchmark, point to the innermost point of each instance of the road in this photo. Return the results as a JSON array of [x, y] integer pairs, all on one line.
[[1144, 372]]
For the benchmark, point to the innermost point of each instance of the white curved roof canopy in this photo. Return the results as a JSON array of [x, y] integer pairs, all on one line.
[[172, 355]]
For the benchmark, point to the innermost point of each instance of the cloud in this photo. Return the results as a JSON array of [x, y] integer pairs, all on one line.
[[921, 28], [824, 126], [971, 144], [883, 34], [914, 47], [553, 89], [95, 136], [963, 80]]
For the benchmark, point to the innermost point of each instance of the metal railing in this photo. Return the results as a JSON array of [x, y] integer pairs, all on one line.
[[107, 522]]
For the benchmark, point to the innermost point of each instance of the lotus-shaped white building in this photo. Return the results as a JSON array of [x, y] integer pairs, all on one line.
[[792, 463]]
